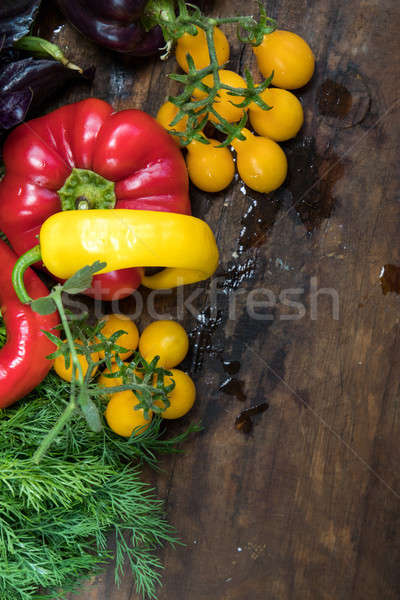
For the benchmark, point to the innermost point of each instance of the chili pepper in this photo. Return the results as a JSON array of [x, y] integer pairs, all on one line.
[[84, 155], [23, 362], [124, 238], [114, 24]]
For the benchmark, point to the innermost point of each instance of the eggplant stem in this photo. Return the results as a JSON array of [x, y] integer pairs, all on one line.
[[42, 47]]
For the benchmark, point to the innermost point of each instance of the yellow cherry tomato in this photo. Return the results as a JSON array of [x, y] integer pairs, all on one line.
[[210, 168], [182, 396], [104, 381], [223, 103], [166, 339], [128, 340], [196, 46], [261, 162], [122, 417], [288, 56], [66, 374], [109, 382], [283, 120], [166, 115]]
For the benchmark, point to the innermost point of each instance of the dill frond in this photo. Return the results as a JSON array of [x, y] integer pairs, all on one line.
[[58, 517]]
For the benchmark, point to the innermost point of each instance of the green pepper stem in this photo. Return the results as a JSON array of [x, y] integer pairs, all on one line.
[[22, 264], [85, 189]]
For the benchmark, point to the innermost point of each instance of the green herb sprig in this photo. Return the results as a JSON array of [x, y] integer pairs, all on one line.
[[186, 20]]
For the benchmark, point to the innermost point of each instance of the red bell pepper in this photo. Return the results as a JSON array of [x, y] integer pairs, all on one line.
[[84, 155], [23, 362]]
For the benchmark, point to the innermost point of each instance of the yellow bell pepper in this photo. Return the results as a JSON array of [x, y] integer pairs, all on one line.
[[122, 238]]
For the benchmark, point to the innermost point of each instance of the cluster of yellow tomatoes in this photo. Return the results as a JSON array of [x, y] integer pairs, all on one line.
[[166, 339], [261, 162]]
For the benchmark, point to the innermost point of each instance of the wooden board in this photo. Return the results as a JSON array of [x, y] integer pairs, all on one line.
[[306, 506]]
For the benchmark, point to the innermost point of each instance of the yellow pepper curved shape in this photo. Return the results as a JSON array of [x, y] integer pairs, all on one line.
[[185, 245]]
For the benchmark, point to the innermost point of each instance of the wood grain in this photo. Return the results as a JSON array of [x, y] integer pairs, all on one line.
[[306, 507]]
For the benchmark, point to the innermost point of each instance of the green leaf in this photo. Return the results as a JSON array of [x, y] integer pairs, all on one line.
[[180, 78], [53, 338], [176, 119], [44, 306], [82, 279], [90, 412], [190, 62]]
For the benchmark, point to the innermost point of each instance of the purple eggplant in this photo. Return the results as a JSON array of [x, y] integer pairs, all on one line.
[[27, 83], [13, 108], [114, 24], [16, 18]]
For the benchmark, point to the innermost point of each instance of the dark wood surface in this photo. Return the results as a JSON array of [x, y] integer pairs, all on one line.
[[306, 506]]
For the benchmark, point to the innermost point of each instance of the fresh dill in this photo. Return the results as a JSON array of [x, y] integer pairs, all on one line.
[[57, 517]]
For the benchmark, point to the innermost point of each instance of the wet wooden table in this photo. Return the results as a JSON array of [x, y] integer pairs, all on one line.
[[306, 505]]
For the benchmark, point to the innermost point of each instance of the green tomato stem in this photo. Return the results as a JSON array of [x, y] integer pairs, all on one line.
[[72, 405], [185, 19], [56, 295]]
